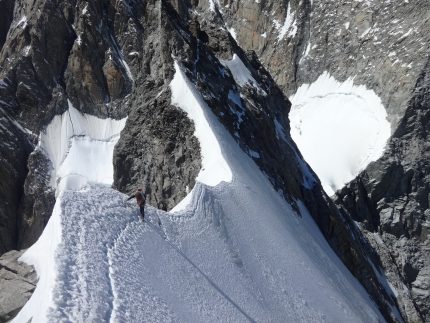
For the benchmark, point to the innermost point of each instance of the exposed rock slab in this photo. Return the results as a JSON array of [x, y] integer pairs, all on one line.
[[17, 283]]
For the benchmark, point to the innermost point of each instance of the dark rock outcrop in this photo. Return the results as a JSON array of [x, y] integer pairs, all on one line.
[[14, 150], [38, 200], [157, 151], [17, 283], [7, 17], [391, 201]]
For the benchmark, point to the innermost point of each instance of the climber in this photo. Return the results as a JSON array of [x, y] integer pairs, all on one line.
[[141, 200]]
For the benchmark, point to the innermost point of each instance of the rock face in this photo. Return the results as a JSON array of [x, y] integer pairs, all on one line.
[[383, 45], [17, 283], [157, 151], [391, 201], [115, 59]]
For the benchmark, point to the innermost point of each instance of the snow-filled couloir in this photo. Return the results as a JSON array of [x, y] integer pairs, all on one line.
[[339, 128], [233, 251]]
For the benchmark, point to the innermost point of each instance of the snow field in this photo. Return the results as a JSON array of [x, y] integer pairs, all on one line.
[[234, 251], [339, 128], [42, 255], [80, 148], [214, 167]]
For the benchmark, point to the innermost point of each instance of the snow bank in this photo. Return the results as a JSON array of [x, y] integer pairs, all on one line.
[[42, 256], [339, 128], [80, 147], [185, 96], [269, 266], [235, 252]]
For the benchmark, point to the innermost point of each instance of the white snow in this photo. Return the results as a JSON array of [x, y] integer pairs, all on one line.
[[42, 255], [289, 25], [26, 50], [214, 167], [127, 68], [235, 251], [339, 128], [80, 148], [241, 74], [212, 5]]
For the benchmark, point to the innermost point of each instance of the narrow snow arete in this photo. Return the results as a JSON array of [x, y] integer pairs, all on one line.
[[233, 251]]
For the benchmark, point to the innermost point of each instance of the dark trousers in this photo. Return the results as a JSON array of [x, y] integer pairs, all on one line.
[[142, 211]]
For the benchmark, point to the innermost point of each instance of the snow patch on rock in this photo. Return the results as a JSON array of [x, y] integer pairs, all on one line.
[[80, 148], [288, 27], [184, 95], [42, 256], [339, 127]]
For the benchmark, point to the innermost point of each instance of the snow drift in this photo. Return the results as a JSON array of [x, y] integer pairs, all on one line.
[[80, 148], [235, 251], [339, 128]]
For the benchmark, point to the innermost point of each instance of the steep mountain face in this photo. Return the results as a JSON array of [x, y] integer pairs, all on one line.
[[116, 59], [390, 201], [17, 283], [383, 45]]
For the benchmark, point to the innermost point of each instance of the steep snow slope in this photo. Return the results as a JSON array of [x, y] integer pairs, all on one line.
[[339, 128], [234, 251], [80, 148]]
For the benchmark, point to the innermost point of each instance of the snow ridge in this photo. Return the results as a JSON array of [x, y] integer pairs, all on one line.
[[235, 251], [214, 167]]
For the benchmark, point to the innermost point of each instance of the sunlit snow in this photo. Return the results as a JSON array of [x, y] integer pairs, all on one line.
[[235, 251], [241, 74], [339, 128], [80, 148], [214, 167]]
